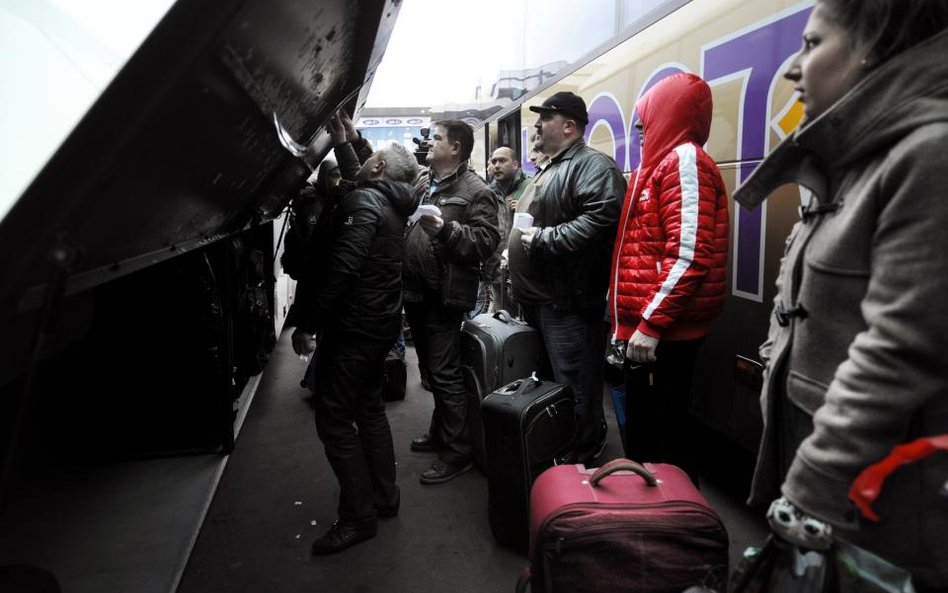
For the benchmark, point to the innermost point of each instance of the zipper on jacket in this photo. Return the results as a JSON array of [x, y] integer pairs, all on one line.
[[615, 279]]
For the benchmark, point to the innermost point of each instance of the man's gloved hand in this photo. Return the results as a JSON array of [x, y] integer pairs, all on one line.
[[792, 525]]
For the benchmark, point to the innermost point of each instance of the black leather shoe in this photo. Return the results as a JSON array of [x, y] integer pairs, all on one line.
[[442, 471], [390, 510], [343, 534], [424, 443]]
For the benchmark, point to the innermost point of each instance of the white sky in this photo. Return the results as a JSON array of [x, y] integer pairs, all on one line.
[[56, 57], [441, 50], [419, 48]]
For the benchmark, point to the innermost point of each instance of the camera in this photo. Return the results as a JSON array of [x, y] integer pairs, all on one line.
[[424, 144]]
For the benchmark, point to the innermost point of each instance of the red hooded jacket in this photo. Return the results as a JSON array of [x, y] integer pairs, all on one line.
[[669, 263]]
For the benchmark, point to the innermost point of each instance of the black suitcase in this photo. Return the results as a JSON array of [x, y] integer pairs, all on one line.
[[529, 426], [495, 350]]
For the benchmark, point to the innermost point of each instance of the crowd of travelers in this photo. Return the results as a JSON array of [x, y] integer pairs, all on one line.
[[857, 350]]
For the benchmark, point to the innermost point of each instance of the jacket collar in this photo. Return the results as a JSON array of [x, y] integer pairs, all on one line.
[[509, 187], [568, 152], [435, 185], [454, 174], [908, 91]]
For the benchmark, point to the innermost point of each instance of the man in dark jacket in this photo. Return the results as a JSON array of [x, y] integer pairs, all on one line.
[[444, 251], [508, 183], [559, 268], [357, 308]]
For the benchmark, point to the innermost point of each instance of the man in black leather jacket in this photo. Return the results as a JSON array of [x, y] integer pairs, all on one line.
[[356, 305], [559, 268], [443, 256]]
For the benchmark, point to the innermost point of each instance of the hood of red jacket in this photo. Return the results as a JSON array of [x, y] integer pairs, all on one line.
[[675, 111]]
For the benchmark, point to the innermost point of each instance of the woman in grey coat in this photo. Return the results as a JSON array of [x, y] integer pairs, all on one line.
[[857, 353]]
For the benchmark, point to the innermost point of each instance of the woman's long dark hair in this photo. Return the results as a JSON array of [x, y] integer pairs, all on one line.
[[889, 27]]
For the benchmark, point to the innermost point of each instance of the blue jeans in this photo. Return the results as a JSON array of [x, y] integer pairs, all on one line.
[[480, 304], [576, 346]]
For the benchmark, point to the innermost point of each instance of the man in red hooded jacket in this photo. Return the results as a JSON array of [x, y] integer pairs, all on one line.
[[669, 267]]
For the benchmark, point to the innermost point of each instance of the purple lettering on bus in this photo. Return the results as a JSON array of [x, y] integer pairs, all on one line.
[[604, 108], [759, 54], [525, 144], [635, 154]]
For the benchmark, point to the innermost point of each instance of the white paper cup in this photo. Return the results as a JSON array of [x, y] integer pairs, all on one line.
[[522, 220]]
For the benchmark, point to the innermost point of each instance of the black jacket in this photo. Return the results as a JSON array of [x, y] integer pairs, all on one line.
[[578, 213], [450, 262], [360, 291]]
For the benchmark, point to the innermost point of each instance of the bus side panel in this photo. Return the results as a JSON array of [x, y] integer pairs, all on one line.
[[741, 48]]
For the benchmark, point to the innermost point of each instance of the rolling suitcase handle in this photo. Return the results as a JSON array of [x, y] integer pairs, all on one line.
[[520, 386], [503, 315], [623, 464]]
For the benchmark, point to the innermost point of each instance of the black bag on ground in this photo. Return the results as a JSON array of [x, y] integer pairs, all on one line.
[[844, 568], [496, 349], [395, 376], [529, 426]]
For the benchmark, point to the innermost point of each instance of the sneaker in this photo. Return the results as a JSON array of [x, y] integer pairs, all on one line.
[[441, 471], [343, 534]]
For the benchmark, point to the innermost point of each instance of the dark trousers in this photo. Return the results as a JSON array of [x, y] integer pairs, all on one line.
[[576, 346], [351, 422], [436, 331], [658, 426]]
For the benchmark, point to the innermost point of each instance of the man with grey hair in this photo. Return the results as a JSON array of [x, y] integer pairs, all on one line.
[[356, 308]]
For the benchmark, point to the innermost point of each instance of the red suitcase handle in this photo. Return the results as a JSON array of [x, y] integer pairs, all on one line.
[[623, 464]]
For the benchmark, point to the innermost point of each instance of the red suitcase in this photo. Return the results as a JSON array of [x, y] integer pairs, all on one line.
[[622, 527]]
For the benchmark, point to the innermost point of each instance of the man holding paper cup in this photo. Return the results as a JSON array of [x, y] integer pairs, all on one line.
[[559, 261]]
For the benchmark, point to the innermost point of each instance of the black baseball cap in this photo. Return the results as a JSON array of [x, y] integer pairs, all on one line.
[[564, 103]]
